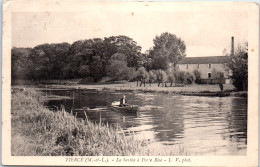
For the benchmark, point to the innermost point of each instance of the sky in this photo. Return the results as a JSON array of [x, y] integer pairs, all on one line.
[[206, 32]]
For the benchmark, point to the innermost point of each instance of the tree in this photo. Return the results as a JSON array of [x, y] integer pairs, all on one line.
[[96, 68], [85, 52], [148, 63], [238, 64], [117, 68], [91, 58], [171, 77], [59, 59], [161, 77], [48, 60], [152, 76], [129, 73], [142, 76], [168, 48], [41, 65], [184, 77], [20, 59], [127, 46], [180, 76], [84, 70]]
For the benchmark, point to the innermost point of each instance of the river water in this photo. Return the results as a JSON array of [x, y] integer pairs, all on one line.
[[198, 125]]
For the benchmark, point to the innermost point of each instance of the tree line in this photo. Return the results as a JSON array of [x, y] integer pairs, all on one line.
[[115, 58]]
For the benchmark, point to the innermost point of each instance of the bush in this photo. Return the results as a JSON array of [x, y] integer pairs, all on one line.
[[152, 76], [215, 74], [161, 77], [142, 74], [190, 78], [171, 77], [197, 75], [184, 77], [128, 74], [179, 76]]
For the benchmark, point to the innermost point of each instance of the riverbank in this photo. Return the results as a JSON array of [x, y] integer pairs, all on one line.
[[37, 131], [188, 90]]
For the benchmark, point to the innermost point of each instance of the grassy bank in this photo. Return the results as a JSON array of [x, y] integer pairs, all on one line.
[[132, 86], [153, 88], [39, 131]]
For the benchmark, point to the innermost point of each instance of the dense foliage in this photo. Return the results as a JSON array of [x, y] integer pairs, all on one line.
[[184, 77], [167, 49], [197, 75], [238, 64], [20, 62], [117, 68], [82, 59], [92, 60]]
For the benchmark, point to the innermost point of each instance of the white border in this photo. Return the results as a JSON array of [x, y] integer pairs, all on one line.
[[80, 6]]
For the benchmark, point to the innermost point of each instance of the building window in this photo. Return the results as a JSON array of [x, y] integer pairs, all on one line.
[[187, 66], [209, 75], [209, 65], [198, 66]]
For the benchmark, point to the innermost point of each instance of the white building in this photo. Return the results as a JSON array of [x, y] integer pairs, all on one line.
[[212, 69]]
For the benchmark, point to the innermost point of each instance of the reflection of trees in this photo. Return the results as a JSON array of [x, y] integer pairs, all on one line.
[[237, 120], [227, 116], [168, 124]]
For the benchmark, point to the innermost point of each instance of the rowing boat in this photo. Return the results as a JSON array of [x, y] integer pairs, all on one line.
[[128, 108]]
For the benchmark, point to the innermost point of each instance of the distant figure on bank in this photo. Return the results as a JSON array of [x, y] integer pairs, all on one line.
[[220, 87], [123, 101]]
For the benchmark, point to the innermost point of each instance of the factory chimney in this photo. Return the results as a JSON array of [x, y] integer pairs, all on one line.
[[232, 46]]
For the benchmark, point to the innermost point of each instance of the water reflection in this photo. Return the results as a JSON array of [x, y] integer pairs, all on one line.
[[202, 125]]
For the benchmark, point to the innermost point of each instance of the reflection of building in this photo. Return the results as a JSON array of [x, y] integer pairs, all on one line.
[[211, 68]]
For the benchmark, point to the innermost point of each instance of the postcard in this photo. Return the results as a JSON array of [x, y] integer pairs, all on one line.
[[130, 83]]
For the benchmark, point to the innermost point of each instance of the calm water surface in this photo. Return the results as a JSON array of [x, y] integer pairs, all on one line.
[[199, 125]]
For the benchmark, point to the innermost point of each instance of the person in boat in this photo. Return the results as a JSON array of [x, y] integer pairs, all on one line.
[[123, 102]]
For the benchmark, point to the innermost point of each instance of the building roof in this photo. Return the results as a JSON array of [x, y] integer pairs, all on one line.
[[205, 60]]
